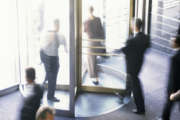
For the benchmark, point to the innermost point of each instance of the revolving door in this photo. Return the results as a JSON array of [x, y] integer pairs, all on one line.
[[78, 95]]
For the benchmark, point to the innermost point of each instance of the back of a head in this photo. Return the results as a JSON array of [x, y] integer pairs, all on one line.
[[30, 73], [45, 113], [138, 23], [91, 9]]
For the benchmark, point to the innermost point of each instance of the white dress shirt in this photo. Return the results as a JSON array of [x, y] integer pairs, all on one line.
[[50, 42]]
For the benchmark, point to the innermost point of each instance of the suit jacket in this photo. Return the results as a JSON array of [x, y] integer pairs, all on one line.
[[174, 76], [31, 104], [134, 52]]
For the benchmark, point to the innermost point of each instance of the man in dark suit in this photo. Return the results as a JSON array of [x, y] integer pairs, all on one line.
[[174, 79], [134, 54]]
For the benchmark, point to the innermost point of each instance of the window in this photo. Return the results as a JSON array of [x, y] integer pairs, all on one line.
[[8, 46]]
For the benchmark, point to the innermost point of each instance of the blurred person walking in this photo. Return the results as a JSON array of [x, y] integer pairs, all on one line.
[[50, 43], [94, 30]]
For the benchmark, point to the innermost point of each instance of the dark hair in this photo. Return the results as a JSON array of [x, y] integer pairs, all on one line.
[[138, 23], [30, 73], [177, 40]]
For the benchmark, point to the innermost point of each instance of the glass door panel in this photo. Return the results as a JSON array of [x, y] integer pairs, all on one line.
[[110, 21], [8, 47], [36, 18]]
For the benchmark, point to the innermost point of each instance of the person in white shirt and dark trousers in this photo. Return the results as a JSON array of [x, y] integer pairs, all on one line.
[[49, 55]]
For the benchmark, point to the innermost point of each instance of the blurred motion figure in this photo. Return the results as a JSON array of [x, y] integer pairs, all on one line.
[[50, 42], [33, 100], [174, 80], [94, 30]]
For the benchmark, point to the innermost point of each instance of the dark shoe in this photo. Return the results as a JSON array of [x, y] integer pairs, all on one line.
[[54, 99], [138, 112], [119, 95]]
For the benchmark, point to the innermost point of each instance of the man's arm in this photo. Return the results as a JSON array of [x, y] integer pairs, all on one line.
[[128, 47]]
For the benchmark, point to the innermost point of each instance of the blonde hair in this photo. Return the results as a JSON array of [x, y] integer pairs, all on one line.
[[42, 112]]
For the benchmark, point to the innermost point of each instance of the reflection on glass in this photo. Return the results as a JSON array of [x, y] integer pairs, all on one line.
[[165, 20], [105, 28]]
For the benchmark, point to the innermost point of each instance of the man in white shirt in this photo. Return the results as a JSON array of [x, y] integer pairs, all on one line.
[[50, 43]]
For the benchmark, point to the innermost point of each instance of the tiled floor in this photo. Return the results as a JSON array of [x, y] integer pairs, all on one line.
[[154, 76]]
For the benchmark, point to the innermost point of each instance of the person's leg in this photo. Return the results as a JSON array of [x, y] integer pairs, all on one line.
[[51, 87], [50, 77], [138, 94], [128, 85], [94, 69], [44, 60], [53, 78], [167, 110], [46, 72], [91, 66]]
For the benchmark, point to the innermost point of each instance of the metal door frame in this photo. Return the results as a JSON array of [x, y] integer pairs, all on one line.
[[79, 53]]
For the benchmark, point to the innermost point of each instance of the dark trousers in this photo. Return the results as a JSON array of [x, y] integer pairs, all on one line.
[[51, 64], [133, 85], [167, 109]]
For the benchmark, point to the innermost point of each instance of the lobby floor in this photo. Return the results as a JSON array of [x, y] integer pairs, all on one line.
[[154, 76]]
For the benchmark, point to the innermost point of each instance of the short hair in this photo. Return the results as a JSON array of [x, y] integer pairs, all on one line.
[[42, 112], [30, 73], [138, 23], [91, 9], [177, 40]]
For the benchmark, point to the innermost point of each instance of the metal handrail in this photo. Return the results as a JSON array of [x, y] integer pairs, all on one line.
[[164, 24], [160, 38], [162, 45], [101, 54], [94, 47], [157, 29], [94, 40], [173, 19], [167, 6]]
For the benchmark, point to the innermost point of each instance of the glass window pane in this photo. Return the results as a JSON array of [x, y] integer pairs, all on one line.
[[8, 46], [38, 33], [110, 21]]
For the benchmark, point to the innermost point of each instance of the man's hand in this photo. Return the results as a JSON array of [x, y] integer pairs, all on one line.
[[172, 97], [175, 96]]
